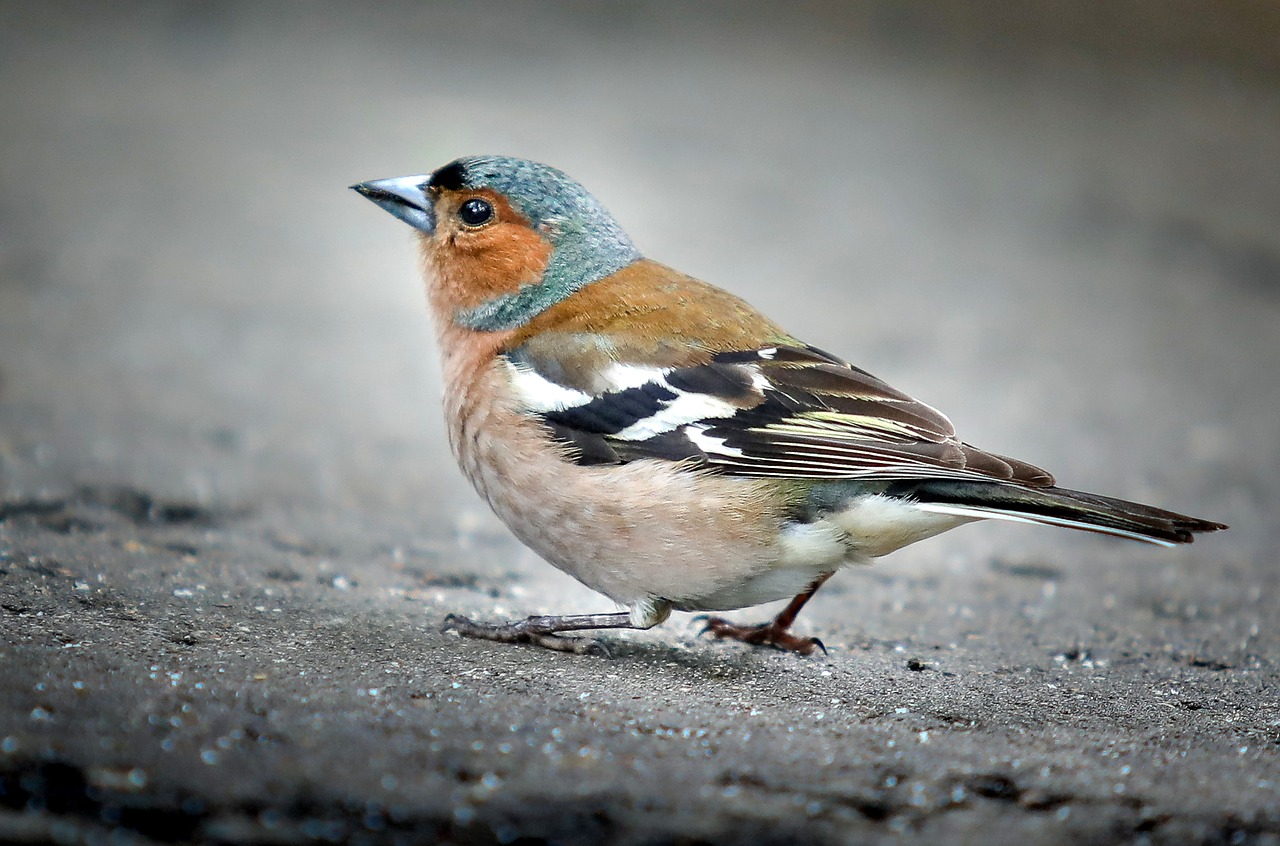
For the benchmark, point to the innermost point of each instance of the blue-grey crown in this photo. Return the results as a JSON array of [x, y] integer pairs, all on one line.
[[588, 243]]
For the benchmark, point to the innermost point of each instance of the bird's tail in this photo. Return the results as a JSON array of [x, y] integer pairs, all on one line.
[[1059, 507]]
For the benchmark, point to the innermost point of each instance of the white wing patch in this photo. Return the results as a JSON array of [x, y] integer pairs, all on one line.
[[710, 445], [540, 395], [621, 376], [686, 408]]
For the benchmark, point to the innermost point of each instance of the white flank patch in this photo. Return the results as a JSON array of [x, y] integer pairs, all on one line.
[[708, 444], [820, 545], [877, 525], [542, 395], [686, 408], [1036, 520]]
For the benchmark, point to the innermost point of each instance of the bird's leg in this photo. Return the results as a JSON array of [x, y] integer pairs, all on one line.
[[775, 632], [544, 631]]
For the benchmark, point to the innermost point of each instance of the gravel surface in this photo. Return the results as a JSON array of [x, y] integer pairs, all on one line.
[[230, 525]]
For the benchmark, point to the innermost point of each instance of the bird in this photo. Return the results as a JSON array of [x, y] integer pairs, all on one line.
[[666, 444]]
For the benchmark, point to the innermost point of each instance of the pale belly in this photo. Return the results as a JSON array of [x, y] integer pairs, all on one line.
[[648, 533]]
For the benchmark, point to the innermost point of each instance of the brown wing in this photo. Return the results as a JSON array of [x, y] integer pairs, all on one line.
[[785, 411]]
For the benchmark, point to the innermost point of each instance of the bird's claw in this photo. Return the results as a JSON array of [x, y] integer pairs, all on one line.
[[765, 634]]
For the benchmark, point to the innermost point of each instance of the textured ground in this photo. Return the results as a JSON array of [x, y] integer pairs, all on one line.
[[230, 527]]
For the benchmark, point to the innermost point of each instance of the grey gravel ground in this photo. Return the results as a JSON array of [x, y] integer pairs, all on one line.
[[230, 526]]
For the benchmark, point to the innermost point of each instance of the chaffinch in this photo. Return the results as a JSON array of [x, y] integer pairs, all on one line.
[[664, 443]]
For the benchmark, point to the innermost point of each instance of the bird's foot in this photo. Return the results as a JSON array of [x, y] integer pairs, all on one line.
[[771, 633], [532, 631]]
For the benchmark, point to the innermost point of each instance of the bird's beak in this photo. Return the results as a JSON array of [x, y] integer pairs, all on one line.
[[405, 197]]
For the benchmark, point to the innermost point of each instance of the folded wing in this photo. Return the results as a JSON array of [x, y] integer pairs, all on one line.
[[783, 411]]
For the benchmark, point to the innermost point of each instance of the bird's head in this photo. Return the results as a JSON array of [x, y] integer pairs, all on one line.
[[504, 239]]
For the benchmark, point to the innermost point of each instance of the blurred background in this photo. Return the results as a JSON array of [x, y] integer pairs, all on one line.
[[230, 523], [1060, 223]]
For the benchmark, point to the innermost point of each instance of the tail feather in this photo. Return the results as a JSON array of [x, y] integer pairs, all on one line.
[[1059, 507]]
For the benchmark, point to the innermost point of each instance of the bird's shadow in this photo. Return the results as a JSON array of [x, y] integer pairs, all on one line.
[[701, 655]]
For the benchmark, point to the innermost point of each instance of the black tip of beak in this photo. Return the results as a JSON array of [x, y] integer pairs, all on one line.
[[377, 195], [404, 197]]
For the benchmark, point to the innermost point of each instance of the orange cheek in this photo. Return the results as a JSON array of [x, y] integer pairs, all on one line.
[[467, 269]]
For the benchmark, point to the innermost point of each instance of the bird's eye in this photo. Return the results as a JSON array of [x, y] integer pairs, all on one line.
[[475, 212]]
